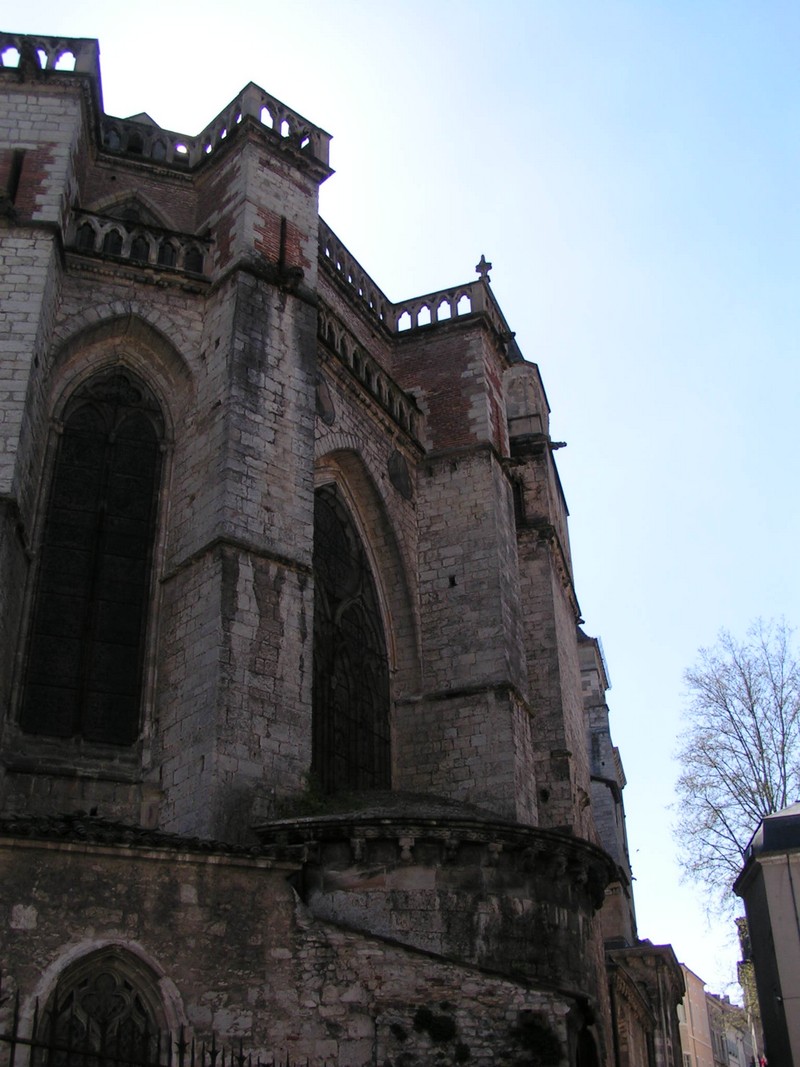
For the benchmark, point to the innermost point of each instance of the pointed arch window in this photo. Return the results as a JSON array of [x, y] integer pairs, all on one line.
[[106, 1006], [87, 637], [351, 741], [112, 243]]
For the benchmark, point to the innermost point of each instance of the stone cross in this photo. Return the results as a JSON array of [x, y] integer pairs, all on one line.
[[483, 269]]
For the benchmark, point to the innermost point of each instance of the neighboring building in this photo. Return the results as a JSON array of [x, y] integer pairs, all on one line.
[[287, 607], [747, 982], [645, 980], [731, 1038], [770, 886], [655, 972], [713, 1032], [695, 1028]]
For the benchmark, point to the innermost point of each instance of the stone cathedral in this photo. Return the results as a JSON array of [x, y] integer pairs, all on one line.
[[303, 750]]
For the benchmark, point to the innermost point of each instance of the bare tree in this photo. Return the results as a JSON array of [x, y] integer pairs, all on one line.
[[740, 750]]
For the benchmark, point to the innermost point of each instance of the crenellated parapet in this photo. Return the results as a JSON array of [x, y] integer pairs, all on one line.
[[445, 305], [39, 57], [397, 403], [30, 52], [344, 266], [289, 130], [472, 298]]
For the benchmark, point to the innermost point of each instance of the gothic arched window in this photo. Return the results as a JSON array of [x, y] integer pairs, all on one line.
[[351, 749], [140, 249], [112, 243], [86, 644], [193, 260], [84, 239], [105, 1005], [167, 256]]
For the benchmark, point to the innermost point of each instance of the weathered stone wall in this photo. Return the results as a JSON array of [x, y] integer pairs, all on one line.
[[233, 367], [245, 599], [608, 782], [233, 952], [358, 447], [551, 617], [472, 745], [635, 1023], [516, 901], [113, 331], [39, 134], [457, 534]]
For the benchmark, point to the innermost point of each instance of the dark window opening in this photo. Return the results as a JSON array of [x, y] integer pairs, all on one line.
[[87, 637], [518, 492], [112, 243], [140, 249], [84, 240], [194, 260], [351, 746], [15, 174], [166, 254]]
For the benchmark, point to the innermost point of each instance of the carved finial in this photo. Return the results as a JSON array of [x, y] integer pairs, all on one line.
[[483, 269]]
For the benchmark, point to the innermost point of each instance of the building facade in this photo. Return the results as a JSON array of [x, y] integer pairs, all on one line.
[[769, 885], [295, 749]]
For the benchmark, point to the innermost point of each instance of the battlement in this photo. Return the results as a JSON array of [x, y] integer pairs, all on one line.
[[146, 139], [33, 56], [457, 302], [24, 51]]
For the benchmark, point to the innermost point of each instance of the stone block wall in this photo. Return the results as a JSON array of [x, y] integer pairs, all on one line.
[[47, 126], [453, 369], [467, 574], [232, 952], [38, 138], [473, 746]]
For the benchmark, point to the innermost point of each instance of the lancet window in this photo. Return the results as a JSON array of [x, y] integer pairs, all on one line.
[[87, 636], [351, 742]]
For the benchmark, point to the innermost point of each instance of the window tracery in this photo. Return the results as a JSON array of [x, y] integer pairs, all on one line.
[[101, 1008], [86, 641], [351, 742]]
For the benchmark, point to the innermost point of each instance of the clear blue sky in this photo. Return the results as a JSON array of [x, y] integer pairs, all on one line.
[[631, 169]]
